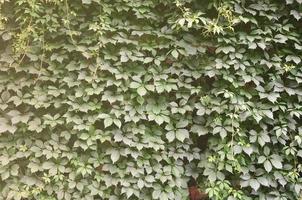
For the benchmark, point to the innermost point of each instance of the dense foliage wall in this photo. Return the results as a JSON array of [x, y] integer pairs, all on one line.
[[109, 99]]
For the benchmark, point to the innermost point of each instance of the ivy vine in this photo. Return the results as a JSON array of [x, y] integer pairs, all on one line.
[[129, 99]]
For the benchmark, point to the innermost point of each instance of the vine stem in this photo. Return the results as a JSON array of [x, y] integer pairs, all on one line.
[[232, 137], [27, 43], [233, 131], [68, 18], [42, 57]]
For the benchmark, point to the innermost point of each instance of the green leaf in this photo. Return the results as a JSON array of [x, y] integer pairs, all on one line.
[[150, 178], [296, 59], [140, 184], [175, 53], [262, 45], [48, 165], [170, 136], [129, 192], [182, 21], [35, 125], [86, 1], [5, 175], [226, 49], [5, 96], [263, 181], [254, 184], [182, 124], [134, 85], [124, 58], [108, 122], [159, 119], [156, 194], [115, 155], [261, 159], [164, 196], [276, 163], [6, 36], [30, 181], [252, 45], [182, 134], [223, 133], [14, 170], [117, 122], [4, 160], [141, 91], [268, 166], [84, 136], [148, 60], [268, 113], [34, 167]]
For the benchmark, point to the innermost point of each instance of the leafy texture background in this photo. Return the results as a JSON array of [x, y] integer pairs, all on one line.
[[107, 99]]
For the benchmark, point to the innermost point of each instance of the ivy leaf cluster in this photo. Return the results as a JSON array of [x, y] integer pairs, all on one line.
[[110, 99]]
